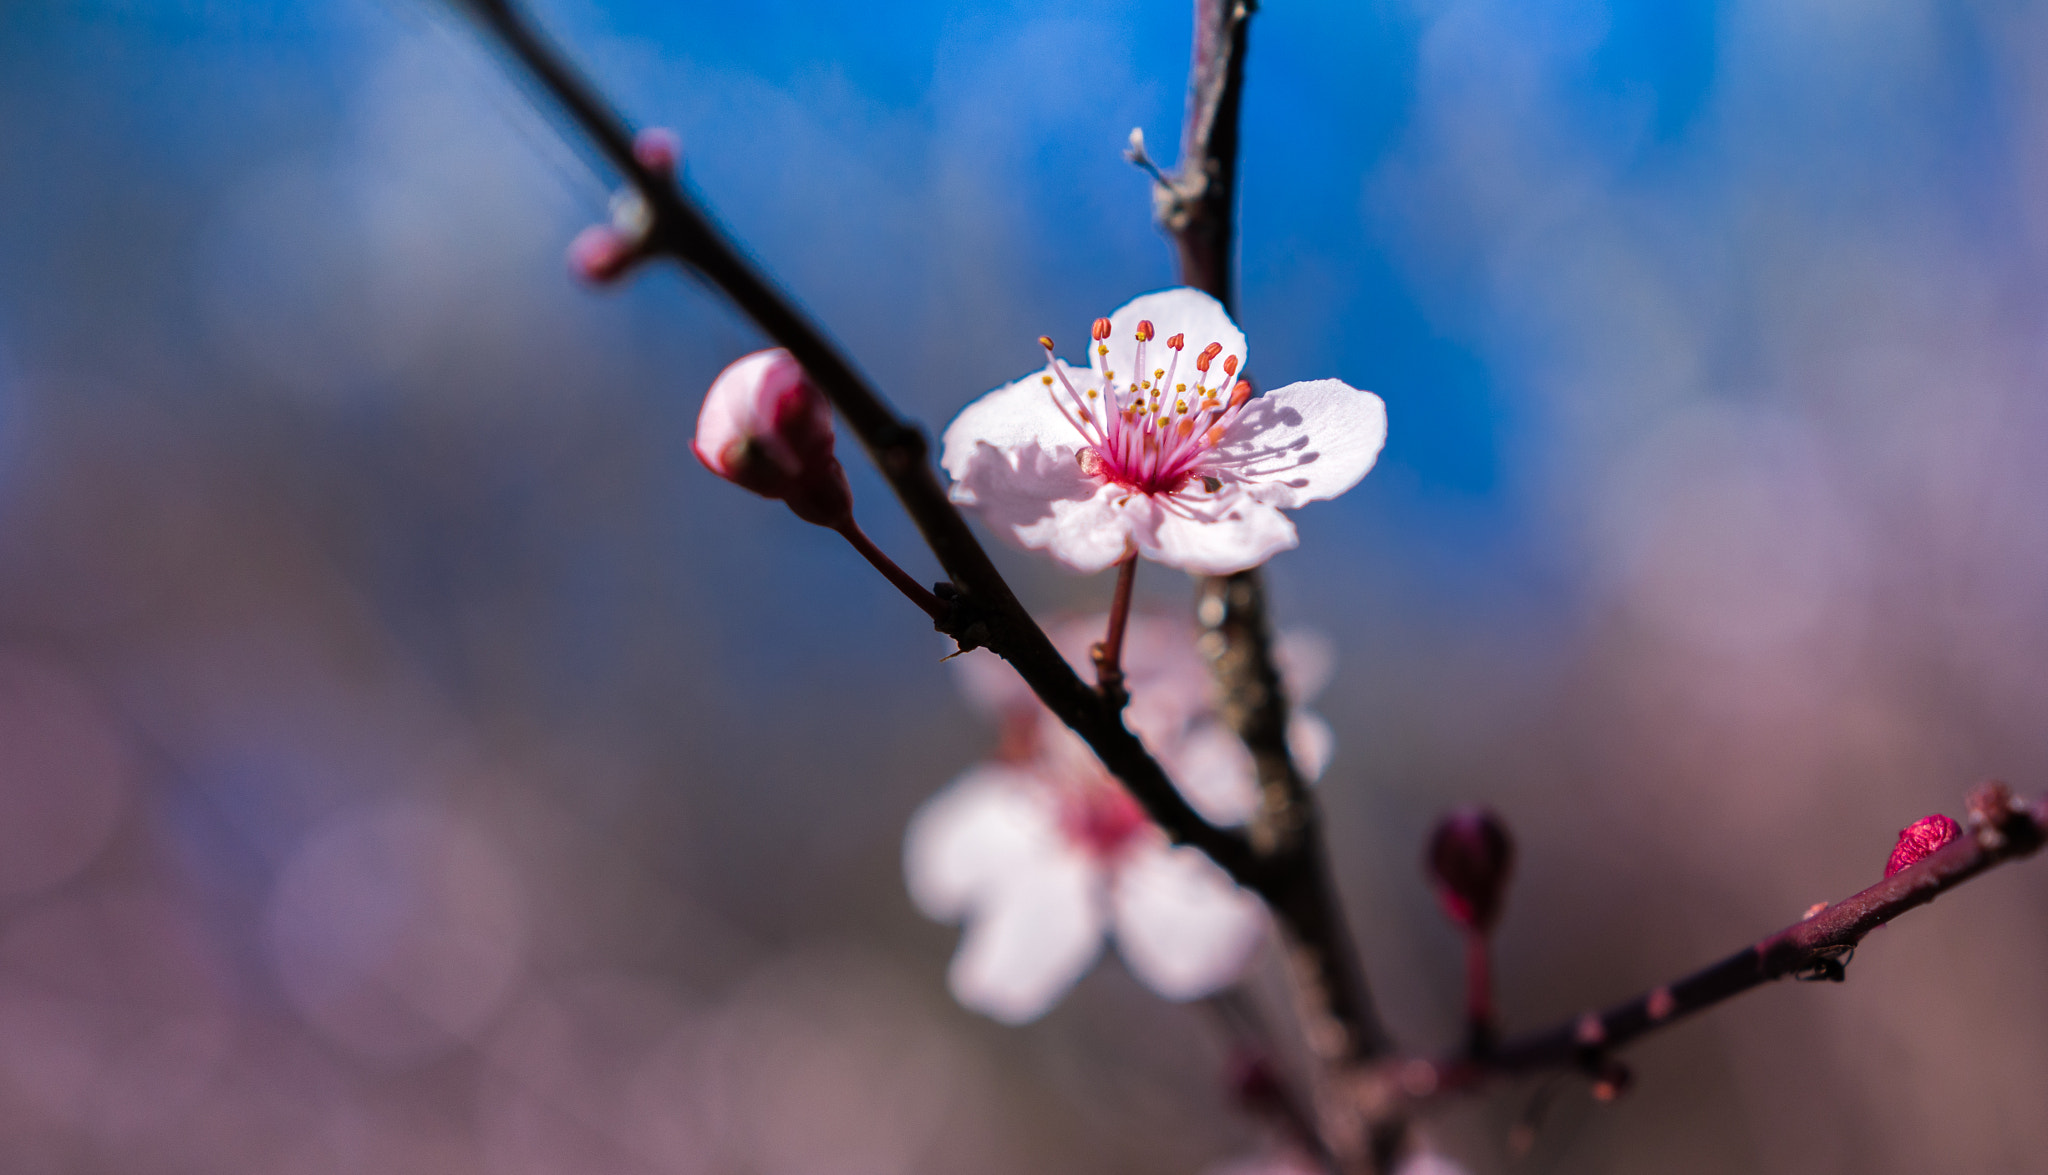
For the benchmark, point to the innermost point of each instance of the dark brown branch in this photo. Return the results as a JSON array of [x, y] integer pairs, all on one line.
[[1197, 207], [1257, 1077], [985, 611], [1286, 831], [1816, 947]]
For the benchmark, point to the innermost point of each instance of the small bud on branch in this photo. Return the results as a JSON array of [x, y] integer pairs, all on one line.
[[1470, 857], [765, 427], [1920, 838]]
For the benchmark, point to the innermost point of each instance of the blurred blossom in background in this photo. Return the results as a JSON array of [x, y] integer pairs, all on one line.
[[413, 760]]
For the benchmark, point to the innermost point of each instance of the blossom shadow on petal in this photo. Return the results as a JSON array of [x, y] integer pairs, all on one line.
[[1017, 496], [1266, 444]]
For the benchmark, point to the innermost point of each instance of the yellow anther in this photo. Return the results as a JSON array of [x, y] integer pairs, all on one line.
[[1045, 341], [1046, 380]]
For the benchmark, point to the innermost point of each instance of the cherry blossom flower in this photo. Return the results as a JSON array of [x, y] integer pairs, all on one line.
[[1159, 446], [1041, 853]]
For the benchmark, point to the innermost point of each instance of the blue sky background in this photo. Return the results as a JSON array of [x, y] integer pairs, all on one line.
[[1707, 544]]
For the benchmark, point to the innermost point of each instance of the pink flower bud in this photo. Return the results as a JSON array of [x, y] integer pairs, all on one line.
[[602, 254], [1470, 856], [765, 427], [1921, 837], [658, 149]]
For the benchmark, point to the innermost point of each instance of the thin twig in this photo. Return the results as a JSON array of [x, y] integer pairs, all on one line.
[[983, 610], [879, 559], [1815, 947]]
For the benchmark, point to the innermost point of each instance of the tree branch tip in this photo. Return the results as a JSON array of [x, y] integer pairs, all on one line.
[[1136, 155]]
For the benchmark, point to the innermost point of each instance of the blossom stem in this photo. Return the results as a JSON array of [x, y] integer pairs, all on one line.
[[1480, 1024], [916, 592], [1109, 652]]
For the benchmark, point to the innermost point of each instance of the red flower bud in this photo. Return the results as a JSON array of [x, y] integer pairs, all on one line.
[[765, 427], [1470, 856], [1921, 837]]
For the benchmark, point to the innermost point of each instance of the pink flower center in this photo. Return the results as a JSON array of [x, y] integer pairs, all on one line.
[[1101, 817], [1149, 429]]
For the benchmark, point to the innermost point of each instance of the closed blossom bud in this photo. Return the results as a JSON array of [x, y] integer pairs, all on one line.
[[1921, 837], [1470, 856], [602, 254], [766, 427], [658, 149]]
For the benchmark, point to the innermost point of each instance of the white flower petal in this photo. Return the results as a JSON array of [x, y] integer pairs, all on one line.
[[1089, 534], [987, 825], [1040, 499], [1214, 536], [1311, 741], [1183, 926], [1177, 311], [1214, 771], [1012, 417], [1036, 932], [992, 686], [1304, 442], [1306, 661]]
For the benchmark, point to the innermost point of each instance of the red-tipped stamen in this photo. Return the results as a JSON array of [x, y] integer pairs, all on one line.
[[1150, 434]]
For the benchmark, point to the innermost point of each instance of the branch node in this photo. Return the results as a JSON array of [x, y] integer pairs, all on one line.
[[1829, 965], [963, 621]]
